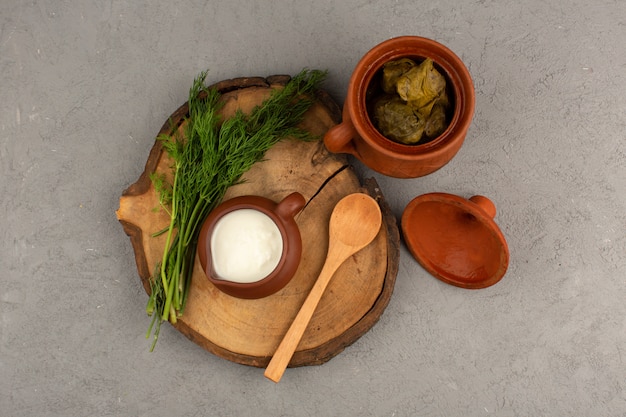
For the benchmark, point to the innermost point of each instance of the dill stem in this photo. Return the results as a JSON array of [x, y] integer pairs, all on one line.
[[192, 222], [150, 306], [168, 240], [169, 292], [185, 283], [173, 317], [178, 266], [154, 318]]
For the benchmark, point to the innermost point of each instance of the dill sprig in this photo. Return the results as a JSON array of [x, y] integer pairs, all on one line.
[[210, 157]]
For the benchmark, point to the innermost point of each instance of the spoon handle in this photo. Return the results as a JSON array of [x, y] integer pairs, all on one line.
[[288, 345]]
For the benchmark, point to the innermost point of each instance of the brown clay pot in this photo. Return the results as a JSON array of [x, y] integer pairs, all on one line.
[[282, 214], [358, 136]]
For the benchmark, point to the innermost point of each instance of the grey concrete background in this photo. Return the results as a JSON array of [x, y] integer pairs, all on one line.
[[86, 85]]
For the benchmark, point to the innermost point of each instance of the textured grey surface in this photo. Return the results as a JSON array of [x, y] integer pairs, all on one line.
[[85, 86]]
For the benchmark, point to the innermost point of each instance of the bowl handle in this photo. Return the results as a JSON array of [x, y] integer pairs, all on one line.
[[340, 138], [290, 206]]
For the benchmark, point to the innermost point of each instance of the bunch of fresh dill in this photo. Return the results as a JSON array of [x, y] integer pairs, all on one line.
[[208, 158]]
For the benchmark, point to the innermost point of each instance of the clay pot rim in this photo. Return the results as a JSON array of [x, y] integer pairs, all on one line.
[[412, 47]]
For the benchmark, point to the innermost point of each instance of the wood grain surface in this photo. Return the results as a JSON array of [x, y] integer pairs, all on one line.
[[248, 331]]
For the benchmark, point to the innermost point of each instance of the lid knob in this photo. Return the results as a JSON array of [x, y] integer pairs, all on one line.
[[485, 204]]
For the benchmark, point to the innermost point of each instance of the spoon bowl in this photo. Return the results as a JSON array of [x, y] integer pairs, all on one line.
[[354, 223]]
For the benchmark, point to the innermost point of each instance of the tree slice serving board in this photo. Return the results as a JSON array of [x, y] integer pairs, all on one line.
[[248, 331]]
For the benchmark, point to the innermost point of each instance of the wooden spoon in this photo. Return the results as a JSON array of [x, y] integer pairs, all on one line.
[[354, 223]]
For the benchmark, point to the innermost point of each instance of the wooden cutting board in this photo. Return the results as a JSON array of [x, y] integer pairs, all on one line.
[[248, 331]]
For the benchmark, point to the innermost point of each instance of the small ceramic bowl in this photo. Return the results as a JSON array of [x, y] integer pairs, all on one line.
[[282, 216], [357, 134]]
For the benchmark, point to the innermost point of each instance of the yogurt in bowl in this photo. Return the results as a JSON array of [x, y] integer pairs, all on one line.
[[250, 246], [246, 246]]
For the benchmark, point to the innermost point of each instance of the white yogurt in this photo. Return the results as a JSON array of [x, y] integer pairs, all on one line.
[[246, 246]]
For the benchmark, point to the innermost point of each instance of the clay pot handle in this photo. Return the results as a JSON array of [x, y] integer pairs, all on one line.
[[485, 204], [340, 138], [290, 206]]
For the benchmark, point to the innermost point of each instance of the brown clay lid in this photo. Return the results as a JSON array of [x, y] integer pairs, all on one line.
[[456, 239]]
